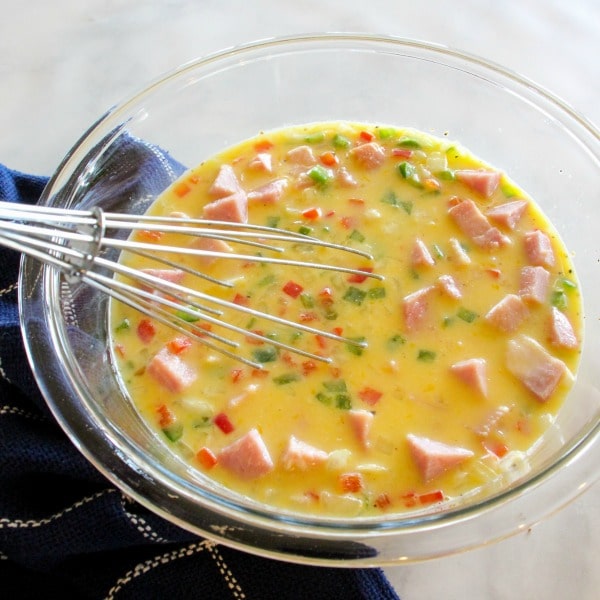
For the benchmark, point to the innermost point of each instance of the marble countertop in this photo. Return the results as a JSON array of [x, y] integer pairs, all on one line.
[[64, 63]]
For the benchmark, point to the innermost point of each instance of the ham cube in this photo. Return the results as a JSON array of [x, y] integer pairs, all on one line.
[[270, 193], [482, 182], [508, 214], [232, 208], [247, 457], [415, 308], [493, 238], [534, 284], [263, 161], [302, 155], [361, 421], [370, 155], [170, 371], [210, 245], [225, 184], [508, 314], [434, 458], [170, 275], [538, 370], [420, 255], [472, 372], [562, 333], [448, 286], [302, 456], [538, 248], [473, 223]]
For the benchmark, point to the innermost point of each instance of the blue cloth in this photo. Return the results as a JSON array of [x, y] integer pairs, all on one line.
[[66, 532]]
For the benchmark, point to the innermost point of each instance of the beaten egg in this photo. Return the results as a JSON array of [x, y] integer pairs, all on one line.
[[460, 335]]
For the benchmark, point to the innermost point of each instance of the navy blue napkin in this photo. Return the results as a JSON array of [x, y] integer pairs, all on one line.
[[67, 532]]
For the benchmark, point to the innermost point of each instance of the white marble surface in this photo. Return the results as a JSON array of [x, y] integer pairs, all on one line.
[[63, 63]]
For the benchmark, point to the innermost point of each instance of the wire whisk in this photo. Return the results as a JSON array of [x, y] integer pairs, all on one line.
[[76, 243]]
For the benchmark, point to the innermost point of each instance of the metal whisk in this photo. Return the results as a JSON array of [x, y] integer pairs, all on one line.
[[75, 242]]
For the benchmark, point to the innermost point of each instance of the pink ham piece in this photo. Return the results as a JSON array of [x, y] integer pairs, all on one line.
[[302, 456], [225, 184], [562, 333], [170, 275], [247, 457], [370, 155], [420, 255], [415, 307], [263, 161], [508, 214], [361, 421], [448, 286], [434, 458], [232, 208], [534, 367], [270, 193], [538, 248], [482, 182], [211, 245], [170, 371], [508, 314], [534, 284], [302, 155], [474, 225], [472, 371]]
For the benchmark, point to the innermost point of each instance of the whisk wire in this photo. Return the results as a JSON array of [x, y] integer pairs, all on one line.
[[75, 242]]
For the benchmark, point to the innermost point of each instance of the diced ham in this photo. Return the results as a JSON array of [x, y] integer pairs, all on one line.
[[210, 245], [508, 214], [303, 181], [270, 193], [263, 161], [420, 255], [345, 178], [302, 456], [448, 285], [538, 248], [534, 284], [434, 458], [491, 239], [415, 308], [170, 371], [538, 371], [302, 155], [472, 371], [361, 421], [508, 314], [562, 333], [247, 457], [225, 184], [170, 275], [473, 223], [233, 208], [370, 155], [482, 182], [459, 255]]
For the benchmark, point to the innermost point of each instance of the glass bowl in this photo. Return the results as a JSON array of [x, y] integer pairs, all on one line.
[[209, 104]]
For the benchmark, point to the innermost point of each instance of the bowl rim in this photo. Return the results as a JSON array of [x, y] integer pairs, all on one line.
[[359, 528]]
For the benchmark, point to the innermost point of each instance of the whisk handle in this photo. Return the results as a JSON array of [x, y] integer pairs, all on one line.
[[66, 239]]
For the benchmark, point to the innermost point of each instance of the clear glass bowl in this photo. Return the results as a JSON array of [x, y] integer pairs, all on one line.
[[206, 105]]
